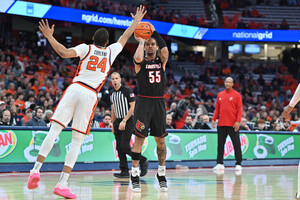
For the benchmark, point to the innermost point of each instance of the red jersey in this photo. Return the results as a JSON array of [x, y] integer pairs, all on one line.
[[229, 108]]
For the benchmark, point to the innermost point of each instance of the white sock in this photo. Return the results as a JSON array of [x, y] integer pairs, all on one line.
[[37, 166], [63, 180], [161, 170], [135, 171]]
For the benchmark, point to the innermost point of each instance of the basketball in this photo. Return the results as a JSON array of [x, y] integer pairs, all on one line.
[[143, 30]]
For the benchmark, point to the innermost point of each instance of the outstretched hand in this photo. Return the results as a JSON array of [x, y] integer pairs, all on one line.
[[45, 28], [287, 110], [140, 12]]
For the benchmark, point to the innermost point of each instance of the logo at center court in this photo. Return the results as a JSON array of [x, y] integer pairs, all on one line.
[[139, 125]]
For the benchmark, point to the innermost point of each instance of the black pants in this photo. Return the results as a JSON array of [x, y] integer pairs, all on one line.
[[223, 132], [123, 142]]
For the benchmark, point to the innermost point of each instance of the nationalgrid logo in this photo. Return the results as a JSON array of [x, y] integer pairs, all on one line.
[[105, 20], [253, 35]]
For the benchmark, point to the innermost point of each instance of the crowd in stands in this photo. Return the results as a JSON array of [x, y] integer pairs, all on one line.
[[154, 12], [33, 78], [236, 21]]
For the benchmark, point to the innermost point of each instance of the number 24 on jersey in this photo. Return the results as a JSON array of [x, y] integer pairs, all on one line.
[[94, 62]]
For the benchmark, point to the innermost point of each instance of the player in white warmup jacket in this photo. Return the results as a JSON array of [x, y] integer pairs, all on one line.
[[80, 98], [287, 110]]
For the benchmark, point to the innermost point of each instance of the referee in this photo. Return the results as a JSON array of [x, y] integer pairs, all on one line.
[[122, 107]]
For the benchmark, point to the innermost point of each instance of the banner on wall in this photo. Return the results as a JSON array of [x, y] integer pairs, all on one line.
[[22, 146], [39, 10]]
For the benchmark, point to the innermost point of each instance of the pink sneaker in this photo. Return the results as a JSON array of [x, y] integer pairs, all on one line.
[[33, 180], [63, 191]]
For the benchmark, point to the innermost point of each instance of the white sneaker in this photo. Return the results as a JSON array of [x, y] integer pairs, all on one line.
[[238, 168], [219, 167]]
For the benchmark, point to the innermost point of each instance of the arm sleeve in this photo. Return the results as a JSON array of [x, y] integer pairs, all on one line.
[[115, 48], [81, 50], [239, 109], [296, 97], [217, 110]]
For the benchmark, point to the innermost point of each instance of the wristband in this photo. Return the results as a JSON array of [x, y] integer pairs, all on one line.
[[123, 121]]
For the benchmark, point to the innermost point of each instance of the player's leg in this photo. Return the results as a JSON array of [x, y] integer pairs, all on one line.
[[235, 138], [60, 119], [136, 156], [158, 130], [222, 135], [61, 187], [298, 190], [46, 147], [162, 155], [85, 102]]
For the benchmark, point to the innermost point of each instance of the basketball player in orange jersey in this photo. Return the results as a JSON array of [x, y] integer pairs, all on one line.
[[80, 98], [287, 110], [150, 109]]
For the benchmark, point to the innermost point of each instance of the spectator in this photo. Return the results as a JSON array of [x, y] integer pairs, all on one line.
[[203, 123], [97, 118], [180, 114], [20, 100], [30, 101], [5, 118], [243, 125], [169, 122], [16, 118], [37, 118], [241, 24], [2, 106], [272, 25], [276, 126], [284, 25], [106, 122], [47, 116], [252, 25], [254, 13], [261, 125], [172, 109], [26, 117], [196, 95], [246, 12], [286, 126], [188, 122]]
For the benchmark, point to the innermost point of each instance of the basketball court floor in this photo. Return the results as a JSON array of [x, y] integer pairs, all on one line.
[[257, 183]]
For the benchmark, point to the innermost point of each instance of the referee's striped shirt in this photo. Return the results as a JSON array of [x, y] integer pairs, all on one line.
[[121, 99]]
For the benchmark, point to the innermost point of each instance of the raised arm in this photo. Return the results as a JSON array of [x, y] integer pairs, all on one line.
[[60, 49], [164, 52], [139, 54], [140, 12]]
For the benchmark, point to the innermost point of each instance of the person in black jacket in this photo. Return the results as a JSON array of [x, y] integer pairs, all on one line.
[[5, 118], [37, 116], [123, 102]]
